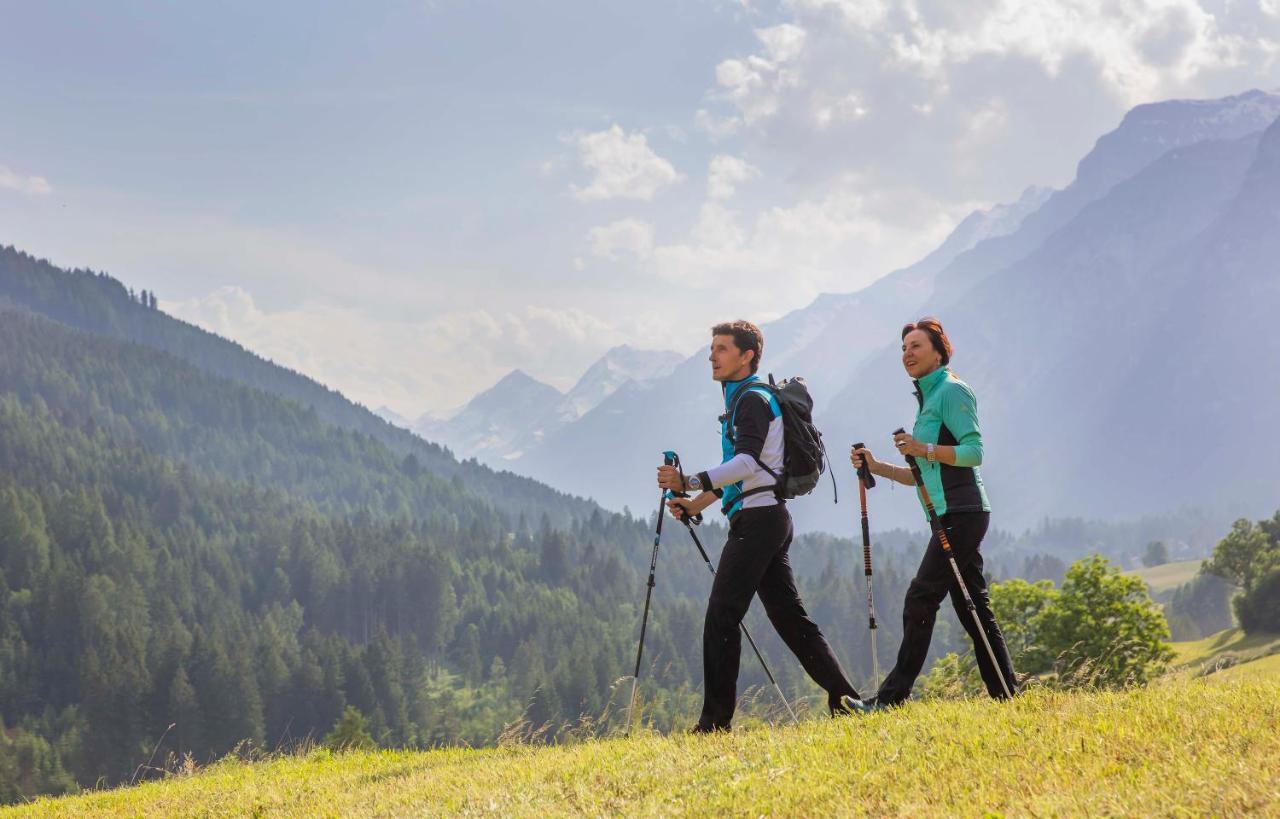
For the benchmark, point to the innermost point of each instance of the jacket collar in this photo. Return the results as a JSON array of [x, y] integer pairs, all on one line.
[[732, 387], [925, 386]]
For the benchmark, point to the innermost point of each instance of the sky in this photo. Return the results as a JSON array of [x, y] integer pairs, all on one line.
[[406, 200]]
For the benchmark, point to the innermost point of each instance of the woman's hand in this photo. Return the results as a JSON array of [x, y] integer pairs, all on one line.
[[908, 445], [858, 454]]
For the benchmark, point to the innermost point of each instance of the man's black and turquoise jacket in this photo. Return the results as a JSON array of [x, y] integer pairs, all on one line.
[[749, 440], [949, 416]]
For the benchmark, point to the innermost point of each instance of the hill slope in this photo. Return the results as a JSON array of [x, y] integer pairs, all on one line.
[[103, 306], [1046, 754]]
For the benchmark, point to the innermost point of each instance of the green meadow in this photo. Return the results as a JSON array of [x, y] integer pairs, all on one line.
[[1201, 741]]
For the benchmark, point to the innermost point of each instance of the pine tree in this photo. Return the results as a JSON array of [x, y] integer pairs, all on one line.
[[349, 733]]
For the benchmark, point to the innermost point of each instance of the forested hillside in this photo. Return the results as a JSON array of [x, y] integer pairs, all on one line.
[[101, 304]]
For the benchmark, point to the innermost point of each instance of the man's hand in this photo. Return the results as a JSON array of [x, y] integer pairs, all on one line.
[[681, 508], [678, 507], [669, 478]]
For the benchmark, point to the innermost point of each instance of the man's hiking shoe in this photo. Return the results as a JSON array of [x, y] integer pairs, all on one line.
[[708, 729], [844, 706]]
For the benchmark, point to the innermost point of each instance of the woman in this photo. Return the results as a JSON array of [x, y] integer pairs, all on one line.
[[947, 446]]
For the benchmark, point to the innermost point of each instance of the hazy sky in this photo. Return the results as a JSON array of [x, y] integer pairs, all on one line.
[[406, 200]]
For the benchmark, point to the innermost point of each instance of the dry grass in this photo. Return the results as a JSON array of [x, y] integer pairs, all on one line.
[[1199, 746]]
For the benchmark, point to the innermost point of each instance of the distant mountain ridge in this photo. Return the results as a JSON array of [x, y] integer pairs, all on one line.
[[517, 413], [1047, 315]]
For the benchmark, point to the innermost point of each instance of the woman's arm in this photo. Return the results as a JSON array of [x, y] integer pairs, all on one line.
[[898, 474]]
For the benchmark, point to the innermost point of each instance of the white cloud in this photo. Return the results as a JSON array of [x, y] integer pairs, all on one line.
[[623, 166], [413, 366], [725, 173], [1139, 48], [623, 237], [839, 242], [33, 185], [845, 108], [755, 84], [866, 14]]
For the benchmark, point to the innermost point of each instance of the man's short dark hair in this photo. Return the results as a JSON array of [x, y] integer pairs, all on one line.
[[746, 336]]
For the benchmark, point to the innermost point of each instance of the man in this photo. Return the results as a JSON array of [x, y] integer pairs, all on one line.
[[754, 560]]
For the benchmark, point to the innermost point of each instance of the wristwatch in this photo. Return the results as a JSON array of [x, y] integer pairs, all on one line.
[[694, 483], [931, 453]]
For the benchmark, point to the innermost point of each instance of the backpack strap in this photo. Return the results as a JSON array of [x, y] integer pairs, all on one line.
[[771, 390], [729, 413]]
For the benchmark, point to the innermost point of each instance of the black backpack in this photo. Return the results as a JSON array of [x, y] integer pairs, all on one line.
[[805, 457]]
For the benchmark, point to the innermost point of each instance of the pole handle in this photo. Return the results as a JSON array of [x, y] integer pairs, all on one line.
[[864, 472], [911, 462], [670, 458]]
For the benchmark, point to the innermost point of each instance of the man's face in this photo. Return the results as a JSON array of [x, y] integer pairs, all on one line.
[[728, 363]]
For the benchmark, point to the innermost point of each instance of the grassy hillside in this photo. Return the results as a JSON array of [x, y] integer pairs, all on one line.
[[1047, 753], [1229, 653], [1168, 576]]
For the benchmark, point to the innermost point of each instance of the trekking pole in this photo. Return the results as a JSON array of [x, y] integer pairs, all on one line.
[[688, 524], [946, 548], [867, 481], [648, 595]]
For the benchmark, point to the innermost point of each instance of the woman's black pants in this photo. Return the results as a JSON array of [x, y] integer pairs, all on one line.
[[934, 580]]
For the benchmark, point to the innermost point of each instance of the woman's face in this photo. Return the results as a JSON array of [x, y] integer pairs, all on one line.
[[918, 356]]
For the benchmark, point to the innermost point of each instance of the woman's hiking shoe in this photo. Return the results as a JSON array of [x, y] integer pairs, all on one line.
[[850, 705]]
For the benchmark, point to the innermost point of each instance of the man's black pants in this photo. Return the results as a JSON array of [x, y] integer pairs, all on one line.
[[754, 561], [934, 580]]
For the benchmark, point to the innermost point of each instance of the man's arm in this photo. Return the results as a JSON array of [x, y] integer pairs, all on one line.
[[751, 427]]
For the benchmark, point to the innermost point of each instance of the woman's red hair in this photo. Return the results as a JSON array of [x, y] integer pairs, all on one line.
[[931, 327]]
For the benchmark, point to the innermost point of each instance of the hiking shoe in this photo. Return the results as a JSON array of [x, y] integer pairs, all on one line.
[[849, 705], [709, 729]]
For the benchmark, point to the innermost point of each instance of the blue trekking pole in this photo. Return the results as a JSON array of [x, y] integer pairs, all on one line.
[[672, 459], [644, 622]]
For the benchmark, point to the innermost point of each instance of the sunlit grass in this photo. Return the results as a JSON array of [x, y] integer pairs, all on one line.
[[1195, 746]]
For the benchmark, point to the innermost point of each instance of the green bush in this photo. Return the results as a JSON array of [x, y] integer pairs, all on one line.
[[1100, 629]]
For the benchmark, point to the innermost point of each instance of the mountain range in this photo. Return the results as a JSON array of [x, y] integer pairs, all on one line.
[[1092, 321], [517, 414]]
